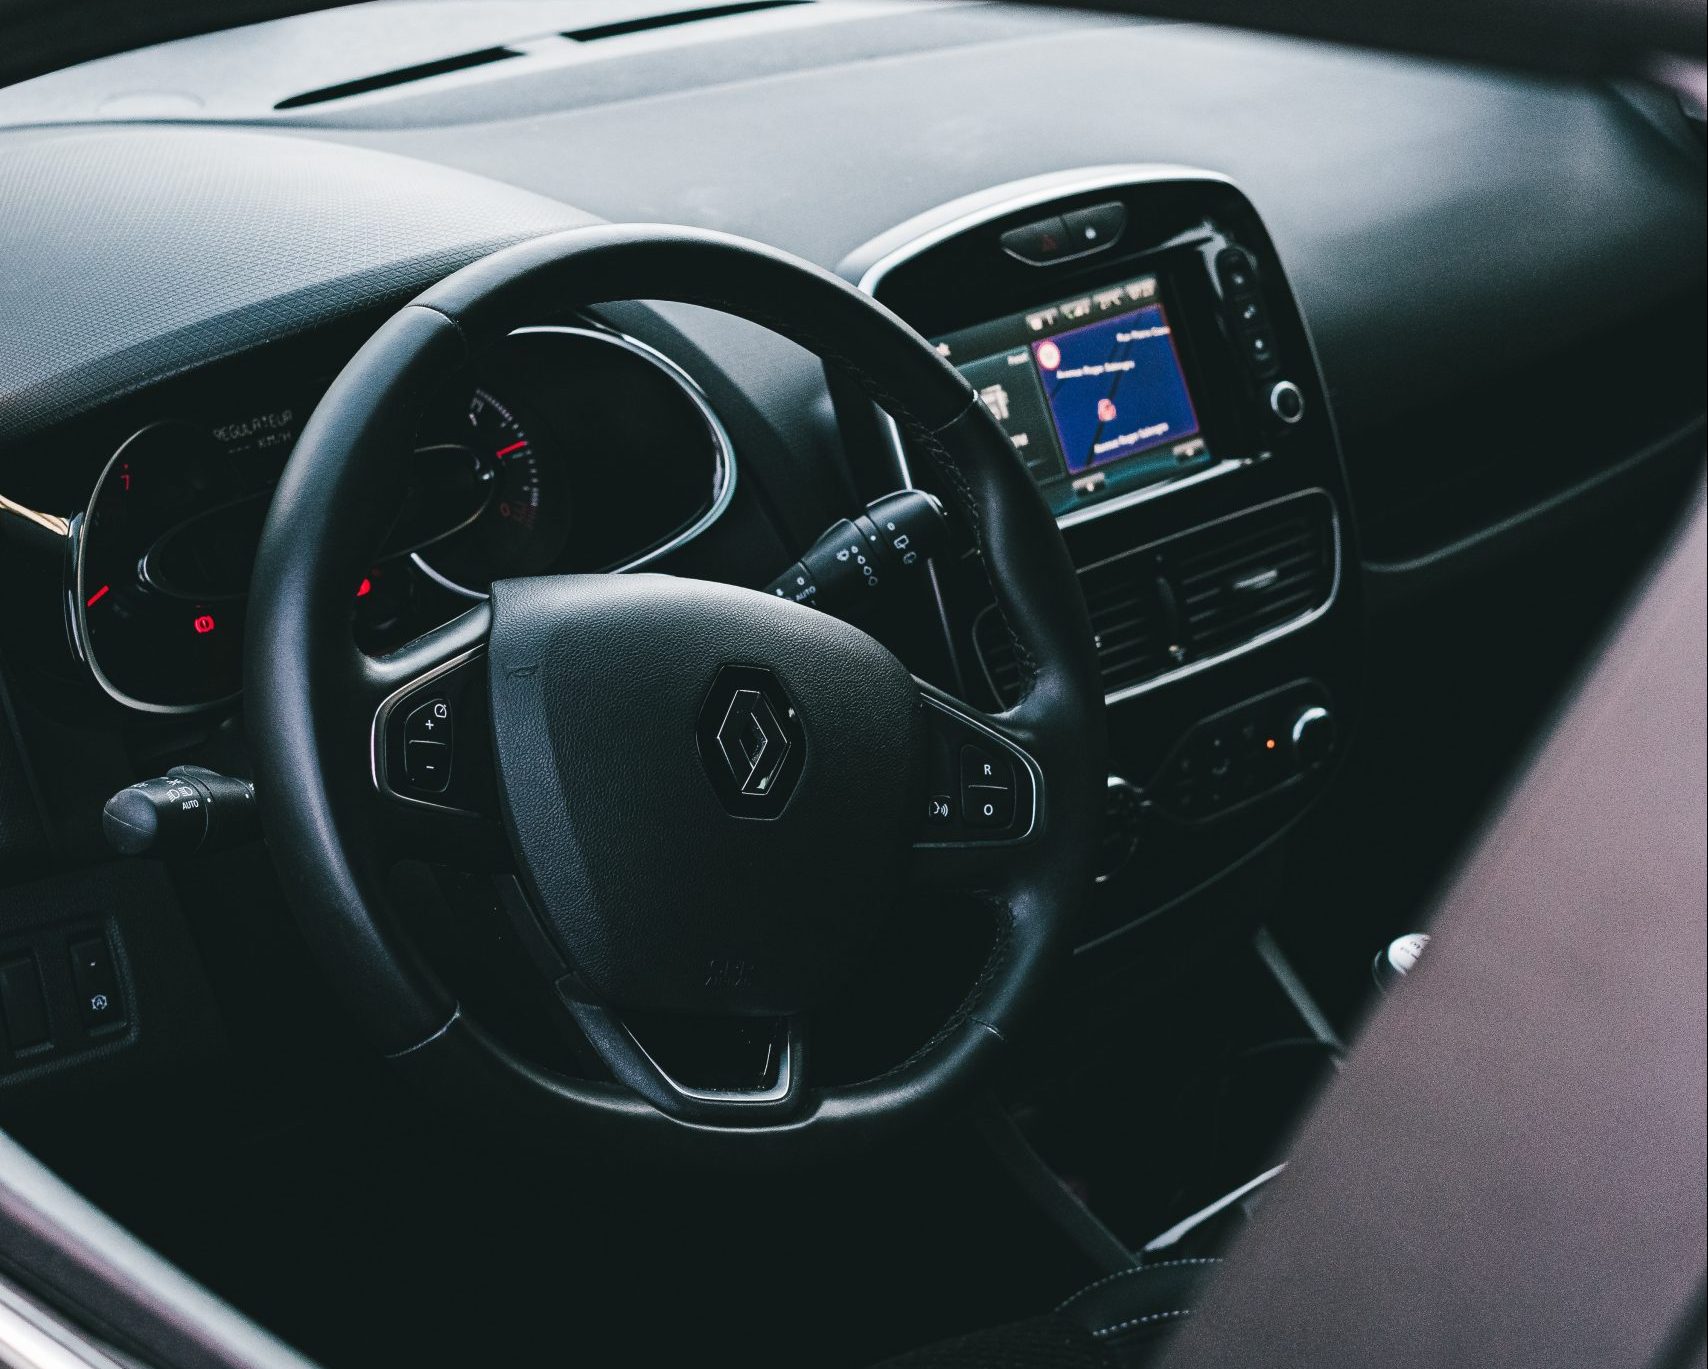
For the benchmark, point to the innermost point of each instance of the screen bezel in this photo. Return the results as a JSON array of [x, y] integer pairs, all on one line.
[[1174, 230]]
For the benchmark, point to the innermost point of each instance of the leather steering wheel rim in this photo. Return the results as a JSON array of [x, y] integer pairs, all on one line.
[[303, 670]]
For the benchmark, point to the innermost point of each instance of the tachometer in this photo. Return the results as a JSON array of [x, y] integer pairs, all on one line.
[[525, 522]]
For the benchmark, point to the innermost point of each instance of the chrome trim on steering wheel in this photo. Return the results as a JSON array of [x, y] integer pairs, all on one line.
[[773, 1093]]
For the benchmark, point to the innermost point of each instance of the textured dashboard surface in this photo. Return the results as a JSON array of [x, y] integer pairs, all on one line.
[[1437, 221], [1440, 224], [134, 254]]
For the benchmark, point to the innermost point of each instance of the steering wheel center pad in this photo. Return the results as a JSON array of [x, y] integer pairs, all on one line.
[[617, 702]]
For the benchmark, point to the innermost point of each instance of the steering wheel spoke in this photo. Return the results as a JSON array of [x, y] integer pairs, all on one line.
[[696, 1067]]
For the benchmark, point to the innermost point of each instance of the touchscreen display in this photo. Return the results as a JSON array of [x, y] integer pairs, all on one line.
[[1090, 390]]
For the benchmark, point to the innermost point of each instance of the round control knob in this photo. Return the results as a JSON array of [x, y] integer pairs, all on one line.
[[1312, 737], [1287, 401]]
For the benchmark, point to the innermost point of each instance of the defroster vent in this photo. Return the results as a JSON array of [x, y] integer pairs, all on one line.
[[1194, 597]]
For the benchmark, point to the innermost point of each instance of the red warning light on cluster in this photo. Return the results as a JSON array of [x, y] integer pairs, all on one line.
[[204, 624], [364, 589]]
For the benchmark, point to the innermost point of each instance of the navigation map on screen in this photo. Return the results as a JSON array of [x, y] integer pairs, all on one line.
[[1115, 388]]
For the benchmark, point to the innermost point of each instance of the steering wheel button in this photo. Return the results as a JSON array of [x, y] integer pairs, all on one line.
[[427, 766], [985, 768], [939, 808], [983, 806], [431, 721]]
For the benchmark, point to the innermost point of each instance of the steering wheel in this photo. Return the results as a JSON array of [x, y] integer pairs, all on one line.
[[711, 800]]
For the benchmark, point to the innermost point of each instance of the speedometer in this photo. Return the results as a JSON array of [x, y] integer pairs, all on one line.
[[162, 567], [524, 525]]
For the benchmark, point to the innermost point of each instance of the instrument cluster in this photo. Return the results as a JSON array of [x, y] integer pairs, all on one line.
[[570, 449]]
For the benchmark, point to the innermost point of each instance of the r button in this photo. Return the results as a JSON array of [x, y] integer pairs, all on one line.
[[983, 767]]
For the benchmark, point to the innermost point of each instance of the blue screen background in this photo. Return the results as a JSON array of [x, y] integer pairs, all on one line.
[[1151, 392]]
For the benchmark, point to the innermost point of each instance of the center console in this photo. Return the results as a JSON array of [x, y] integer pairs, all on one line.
[[1132, 331]]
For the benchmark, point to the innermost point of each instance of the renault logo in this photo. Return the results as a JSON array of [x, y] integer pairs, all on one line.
[[751, 741]]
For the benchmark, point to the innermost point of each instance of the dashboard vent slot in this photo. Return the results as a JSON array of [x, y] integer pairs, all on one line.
[[1193, 597], [676, 18], [1129, 622], [443, 66], [1129, 609], [1236, 580]]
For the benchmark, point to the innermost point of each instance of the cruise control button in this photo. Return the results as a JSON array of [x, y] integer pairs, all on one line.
[[427, 766], [430, 721], [986, 807], [980, 766]]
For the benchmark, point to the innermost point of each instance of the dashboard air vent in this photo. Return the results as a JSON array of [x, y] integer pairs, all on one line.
[[444, 66], [467, 61], [1237, 579], [1129, 619], [674, 19], [1193, 597]]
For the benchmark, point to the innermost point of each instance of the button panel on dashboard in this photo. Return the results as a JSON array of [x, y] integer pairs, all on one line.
[[1246, 752]]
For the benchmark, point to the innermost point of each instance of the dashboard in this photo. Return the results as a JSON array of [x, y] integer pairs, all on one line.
[[1274, 346]]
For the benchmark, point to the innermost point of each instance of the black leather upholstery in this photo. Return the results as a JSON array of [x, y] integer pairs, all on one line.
[[1132, 1313], [1530, 1195], [1119, 1322]]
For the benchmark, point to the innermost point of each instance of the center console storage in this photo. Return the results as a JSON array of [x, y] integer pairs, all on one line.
[[1132, 331]]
